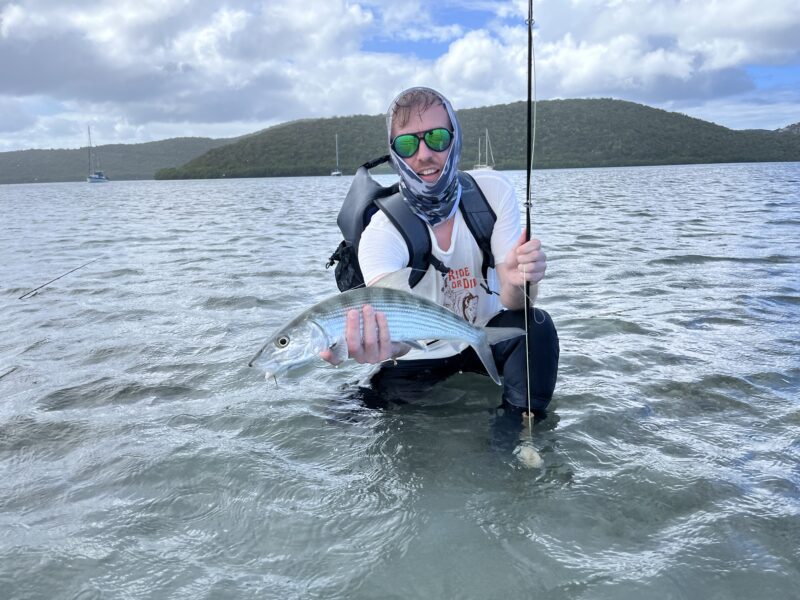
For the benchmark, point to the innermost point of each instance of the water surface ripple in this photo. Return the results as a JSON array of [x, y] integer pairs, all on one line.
[[141, 458]]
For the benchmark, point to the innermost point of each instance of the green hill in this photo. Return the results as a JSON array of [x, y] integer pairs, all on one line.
[[119, 161], [569, 133]]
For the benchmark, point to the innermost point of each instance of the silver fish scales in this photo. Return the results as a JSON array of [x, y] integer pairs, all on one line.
[[412, 320]]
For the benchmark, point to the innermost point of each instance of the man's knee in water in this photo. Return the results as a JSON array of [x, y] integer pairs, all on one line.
[[518, 399], [543, 351]]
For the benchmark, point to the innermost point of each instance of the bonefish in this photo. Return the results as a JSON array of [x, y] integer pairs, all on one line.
[[412, 320]]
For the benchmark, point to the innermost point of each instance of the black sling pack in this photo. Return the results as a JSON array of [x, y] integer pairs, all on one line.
[[366, 196]]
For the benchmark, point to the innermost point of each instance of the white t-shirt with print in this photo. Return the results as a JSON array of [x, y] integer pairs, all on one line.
[[382, 250]]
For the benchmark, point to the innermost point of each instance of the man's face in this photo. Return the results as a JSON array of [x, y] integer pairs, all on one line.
[[426, 163]]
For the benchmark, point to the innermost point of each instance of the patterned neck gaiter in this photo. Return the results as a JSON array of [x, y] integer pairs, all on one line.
[[433, 202]]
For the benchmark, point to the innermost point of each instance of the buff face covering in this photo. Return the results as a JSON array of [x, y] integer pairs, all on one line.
[[432, 202]]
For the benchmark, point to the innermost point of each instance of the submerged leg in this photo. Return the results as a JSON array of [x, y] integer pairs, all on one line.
[[509, 356], [544, 350], [509, 423], [409, 379], [405, 380]]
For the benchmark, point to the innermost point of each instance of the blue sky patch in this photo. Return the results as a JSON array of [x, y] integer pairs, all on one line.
[[774, 76], [443, 15]]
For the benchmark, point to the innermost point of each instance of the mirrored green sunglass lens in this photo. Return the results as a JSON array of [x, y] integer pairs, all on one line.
[[438, 139], [406, 145]]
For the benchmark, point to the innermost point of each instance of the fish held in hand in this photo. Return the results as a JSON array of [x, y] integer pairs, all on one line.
[[412, 320]]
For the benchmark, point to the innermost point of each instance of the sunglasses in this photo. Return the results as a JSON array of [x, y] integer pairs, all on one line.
[[407, 144]]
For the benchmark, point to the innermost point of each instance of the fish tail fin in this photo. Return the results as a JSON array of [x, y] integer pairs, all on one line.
[[484, 352], [483, 347], [501, 334]]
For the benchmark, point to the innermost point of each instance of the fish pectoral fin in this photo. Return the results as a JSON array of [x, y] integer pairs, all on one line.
[[339, 350]]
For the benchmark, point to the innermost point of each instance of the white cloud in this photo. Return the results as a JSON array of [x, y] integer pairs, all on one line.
[[147, 69], [479, 68], [208, 45], [745, 113]]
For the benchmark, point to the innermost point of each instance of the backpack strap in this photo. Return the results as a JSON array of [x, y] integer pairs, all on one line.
[[480, 219], [366, 196], [357, 209], [415, 233]]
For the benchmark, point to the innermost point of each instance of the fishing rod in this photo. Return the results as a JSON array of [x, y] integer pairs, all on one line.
[[531, 139], [529, 148], [33, 291]]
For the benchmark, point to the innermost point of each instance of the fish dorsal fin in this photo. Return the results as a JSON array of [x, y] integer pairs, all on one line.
[[396, 281]]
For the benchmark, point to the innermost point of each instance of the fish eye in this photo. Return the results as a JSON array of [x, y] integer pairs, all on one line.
[[282, 341]]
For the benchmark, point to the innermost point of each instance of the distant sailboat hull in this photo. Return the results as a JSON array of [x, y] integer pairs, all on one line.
[[97, 177], [95, 174]]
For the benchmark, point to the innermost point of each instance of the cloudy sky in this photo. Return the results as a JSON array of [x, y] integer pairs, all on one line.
[[142, 70]]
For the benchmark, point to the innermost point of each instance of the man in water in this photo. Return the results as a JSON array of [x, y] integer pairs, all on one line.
[[425, 148]]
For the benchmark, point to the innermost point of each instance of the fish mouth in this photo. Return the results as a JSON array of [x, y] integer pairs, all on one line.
[[258, 354], [271, 369], [271, 372]]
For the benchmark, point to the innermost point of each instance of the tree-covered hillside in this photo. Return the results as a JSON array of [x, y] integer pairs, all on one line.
[[569, 133], [119, 161]]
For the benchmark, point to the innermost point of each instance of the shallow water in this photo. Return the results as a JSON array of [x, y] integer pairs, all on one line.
[[141, 458]]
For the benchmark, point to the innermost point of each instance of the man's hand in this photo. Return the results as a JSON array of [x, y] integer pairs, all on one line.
[[526, 261], [375, 345]]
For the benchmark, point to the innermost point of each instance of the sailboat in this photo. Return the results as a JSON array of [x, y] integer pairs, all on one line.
[[95, 174], [487, 146], [336, 172]]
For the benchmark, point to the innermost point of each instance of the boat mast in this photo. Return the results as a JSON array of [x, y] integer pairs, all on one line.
[[89, 129]]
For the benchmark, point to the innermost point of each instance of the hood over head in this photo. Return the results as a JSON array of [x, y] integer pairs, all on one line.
[[433, 202]]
